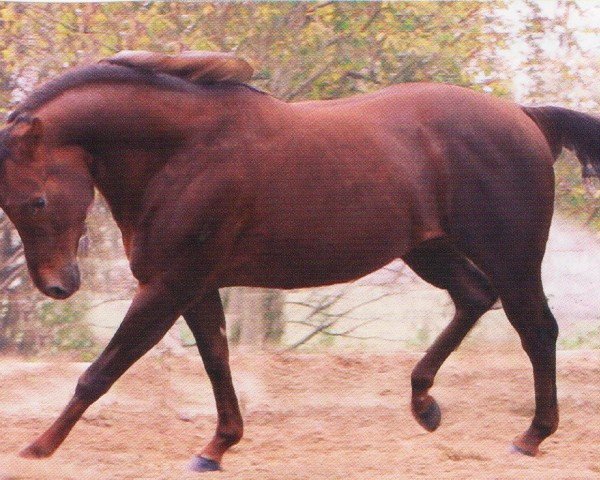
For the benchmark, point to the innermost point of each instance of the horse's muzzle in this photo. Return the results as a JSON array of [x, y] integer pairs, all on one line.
[[63, 284]]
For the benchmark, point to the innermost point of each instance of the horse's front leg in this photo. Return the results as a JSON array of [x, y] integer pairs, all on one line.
[[207, 322], [150, 316]]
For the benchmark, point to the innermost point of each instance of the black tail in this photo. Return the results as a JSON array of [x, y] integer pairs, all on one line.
[[573, 130]]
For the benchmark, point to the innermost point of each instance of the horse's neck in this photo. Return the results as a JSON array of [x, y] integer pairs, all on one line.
[[132, 144], [123, 180], [127, 139]]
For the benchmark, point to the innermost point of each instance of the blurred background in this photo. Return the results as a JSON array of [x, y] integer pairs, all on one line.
[[530, 51]]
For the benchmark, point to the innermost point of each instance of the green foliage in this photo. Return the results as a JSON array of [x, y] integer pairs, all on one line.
[[66, 326], [301, 49], [587, 340], [421, 338], [571, 195]]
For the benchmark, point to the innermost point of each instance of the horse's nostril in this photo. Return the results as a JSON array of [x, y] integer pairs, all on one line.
[[57, 292]]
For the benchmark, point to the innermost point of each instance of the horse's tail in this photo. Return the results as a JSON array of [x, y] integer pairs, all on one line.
[[573, 130]]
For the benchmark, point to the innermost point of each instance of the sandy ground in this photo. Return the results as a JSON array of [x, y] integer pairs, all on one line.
[[308, 416]]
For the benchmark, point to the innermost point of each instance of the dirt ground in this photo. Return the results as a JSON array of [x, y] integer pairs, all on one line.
[[307, 416]]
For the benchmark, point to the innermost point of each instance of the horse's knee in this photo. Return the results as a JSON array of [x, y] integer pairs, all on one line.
[[539, 342], [216, 367], [551, 325]]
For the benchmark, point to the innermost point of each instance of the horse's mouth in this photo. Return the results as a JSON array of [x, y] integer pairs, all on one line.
[[58, 292], [60, 285]]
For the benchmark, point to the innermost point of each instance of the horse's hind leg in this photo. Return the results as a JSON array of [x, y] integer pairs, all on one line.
[[207, 322], [528, 312], [441, 264]]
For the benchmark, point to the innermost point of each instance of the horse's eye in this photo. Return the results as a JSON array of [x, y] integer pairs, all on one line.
[[38, 203]]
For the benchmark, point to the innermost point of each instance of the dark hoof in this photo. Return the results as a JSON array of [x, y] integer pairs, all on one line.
[[518, 446], [201, 464], [430, 418], [35, 452]]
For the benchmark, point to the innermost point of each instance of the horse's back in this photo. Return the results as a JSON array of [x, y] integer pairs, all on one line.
[[476, 167]]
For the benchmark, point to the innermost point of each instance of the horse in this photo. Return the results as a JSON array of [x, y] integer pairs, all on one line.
[[214, 183]]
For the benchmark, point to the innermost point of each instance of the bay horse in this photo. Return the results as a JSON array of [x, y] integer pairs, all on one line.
[[214, 183]]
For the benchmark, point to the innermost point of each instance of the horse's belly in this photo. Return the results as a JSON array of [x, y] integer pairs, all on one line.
[[321, 253], [328, 218]]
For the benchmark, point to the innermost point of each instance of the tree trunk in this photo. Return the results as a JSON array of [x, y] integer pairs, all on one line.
[[255, 316]]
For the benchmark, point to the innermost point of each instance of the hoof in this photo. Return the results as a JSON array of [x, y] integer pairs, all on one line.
[[201, 464], [430, 418], [34, 451], [519, 446]]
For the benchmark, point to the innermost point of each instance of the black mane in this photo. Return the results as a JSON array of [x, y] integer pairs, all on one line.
[[105, 73]]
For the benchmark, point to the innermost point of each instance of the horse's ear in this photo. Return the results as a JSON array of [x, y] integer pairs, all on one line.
[[26, 135], [27, 129]]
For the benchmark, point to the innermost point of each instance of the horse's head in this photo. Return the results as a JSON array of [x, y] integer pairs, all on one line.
[[45, 189]]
